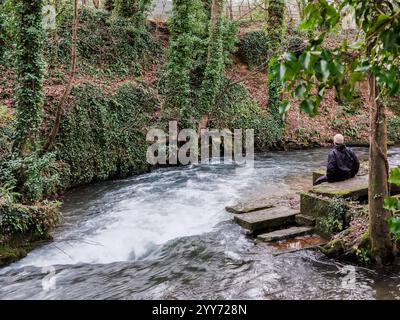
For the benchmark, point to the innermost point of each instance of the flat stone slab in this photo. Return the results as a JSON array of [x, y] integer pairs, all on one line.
[[283, 234], [354, 188], [266, 219], [251, 205]]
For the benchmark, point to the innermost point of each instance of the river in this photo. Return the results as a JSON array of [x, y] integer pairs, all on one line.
[[166, 235]]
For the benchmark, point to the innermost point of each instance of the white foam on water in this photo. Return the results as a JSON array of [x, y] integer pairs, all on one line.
[[156, 212]]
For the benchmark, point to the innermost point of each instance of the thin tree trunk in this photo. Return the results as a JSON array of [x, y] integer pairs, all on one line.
[[381, 244], [53, 134], [230, 8]]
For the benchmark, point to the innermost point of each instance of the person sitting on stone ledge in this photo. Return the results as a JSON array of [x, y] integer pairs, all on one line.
[[343, 163]]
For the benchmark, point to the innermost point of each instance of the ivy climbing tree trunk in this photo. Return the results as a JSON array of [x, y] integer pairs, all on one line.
[[60, 108], [381, 244], [29, 97], [178, 102], [215, 62]]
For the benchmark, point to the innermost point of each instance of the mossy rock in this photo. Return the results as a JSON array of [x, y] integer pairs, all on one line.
[[334, 248], [331, 215]]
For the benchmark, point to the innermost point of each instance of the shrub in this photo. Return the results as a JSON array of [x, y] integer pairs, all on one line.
[[31, 177], [103, 137], [6, 132], [253, 48]]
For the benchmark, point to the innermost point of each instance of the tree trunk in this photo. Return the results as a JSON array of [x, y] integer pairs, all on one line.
[[53, 134], [381, 245], [216, 12]]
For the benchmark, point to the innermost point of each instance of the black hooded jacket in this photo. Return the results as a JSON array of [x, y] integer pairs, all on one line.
[[343, 164]]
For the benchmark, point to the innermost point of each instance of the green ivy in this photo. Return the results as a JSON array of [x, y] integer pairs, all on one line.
[[105, 46], [31, 177], [103, 137], [184, 31], [275, 31], [337, 216], [29, 67], [136, 10], [254, 48], [189, 83], [211, 83], [37, 220]]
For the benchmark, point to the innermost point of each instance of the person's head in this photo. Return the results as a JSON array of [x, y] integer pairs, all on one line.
[[338, 140]]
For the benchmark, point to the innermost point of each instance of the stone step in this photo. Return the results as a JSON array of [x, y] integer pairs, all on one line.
[[304, 220], [266, 219], [250, 206], [283, 234], [354, 188]]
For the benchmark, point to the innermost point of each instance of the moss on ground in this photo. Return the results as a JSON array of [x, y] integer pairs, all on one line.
[[23, 226]]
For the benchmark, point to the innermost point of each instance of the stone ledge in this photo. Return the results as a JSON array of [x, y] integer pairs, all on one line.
[[266, 219]]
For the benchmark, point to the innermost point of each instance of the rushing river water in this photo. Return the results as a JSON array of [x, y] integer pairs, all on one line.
[[166, 235]]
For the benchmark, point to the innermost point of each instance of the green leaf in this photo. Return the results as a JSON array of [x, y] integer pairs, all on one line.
[[391, 203], [316, 53], [356, 45], [307, 60], [308, 106], [395, 176], [324, 70], [282, 71], [382, 19], [336, 68], [389, 38], [284, 107], [290, 57], [394, 226], [300, 91]]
